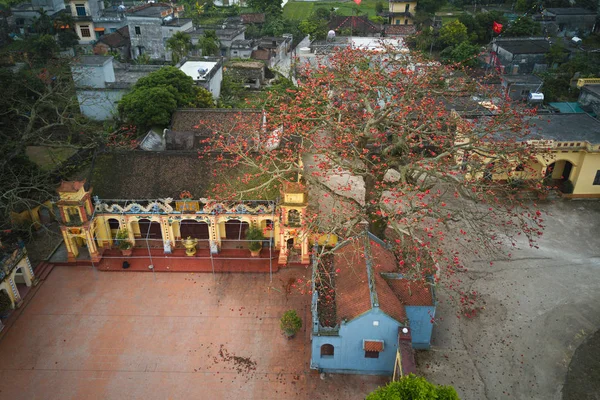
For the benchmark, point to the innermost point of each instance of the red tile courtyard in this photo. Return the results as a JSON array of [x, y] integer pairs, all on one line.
[[88, 334]]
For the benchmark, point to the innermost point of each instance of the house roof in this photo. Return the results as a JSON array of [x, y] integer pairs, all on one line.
[[570, 11], [592, 89], [525, 45], [149, 10], [368, 278], [253, 18], [204, 120], [360, 24], [117, 39], [70, 186], [150, 175], [261, 54], [400, 30], [566, 127]]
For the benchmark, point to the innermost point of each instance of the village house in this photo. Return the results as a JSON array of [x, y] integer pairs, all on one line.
[[226, 34], [589, 98], [519, 87], [567, 21], [206, 72], [360, 327], [273, 50], [151, 25], [116, 42], [354, 25], [24, 13], [519, 56], [401, 12], [100, 83], [92, 21], [243, 48], [249, 73]]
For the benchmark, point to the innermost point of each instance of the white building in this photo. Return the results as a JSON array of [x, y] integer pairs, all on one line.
[[207, 73]]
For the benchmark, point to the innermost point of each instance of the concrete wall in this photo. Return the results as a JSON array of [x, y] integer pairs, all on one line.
[[150, 37], [24, 275], [349, 356], [589, 99], [100, 105], [421, 325], [93, 76], [214, 84]]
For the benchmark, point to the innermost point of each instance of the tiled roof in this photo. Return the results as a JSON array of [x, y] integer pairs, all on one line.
[[70, 186], [119, 38], [373, 345], [205, 120], [261, 54], [359, 24], [254, 18], [352, 294], [411, 293], [400, 30]]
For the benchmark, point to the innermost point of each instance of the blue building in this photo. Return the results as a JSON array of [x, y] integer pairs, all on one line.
[[362, 308]]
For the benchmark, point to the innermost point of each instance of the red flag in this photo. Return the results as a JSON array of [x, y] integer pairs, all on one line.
[[497, 27], [357, 2]]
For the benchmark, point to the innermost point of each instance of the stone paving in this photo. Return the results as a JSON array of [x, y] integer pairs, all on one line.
[[116, 335]]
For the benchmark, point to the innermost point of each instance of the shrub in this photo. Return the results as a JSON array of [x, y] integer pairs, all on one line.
[[255, 234], [567, 187], [412, 387], [123, 239], [290, 322]]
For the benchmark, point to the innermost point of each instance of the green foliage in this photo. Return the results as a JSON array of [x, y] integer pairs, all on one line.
[[453, 33], [254, 233], [209, 43], [479, 27], [290, 322], [379, 7], [5, 303], [412, 387], [179, 44], [67, 39], [316, 29], [464, 54], [43, 24], [266, 6], [430, 6], [378, 20], [149, 106], [45, 47], [524, 26], [184, 90], [204, 98], [231, 92], [556, 55], [322, 14]]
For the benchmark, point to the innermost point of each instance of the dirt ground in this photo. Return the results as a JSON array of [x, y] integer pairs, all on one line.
[[138, 335]]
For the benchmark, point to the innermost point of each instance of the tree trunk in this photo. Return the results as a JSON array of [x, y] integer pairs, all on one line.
[[377, 222]]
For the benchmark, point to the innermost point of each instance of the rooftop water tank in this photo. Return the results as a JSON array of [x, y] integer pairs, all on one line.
[[535, 97]]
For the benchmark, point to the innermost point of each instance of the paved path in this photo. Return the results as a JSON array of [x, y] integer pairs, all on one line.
[[118, 335], [539, 308]]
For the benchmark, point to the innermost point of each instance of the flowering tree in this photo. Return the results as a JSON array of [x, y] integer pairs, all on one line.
[[401, 144]]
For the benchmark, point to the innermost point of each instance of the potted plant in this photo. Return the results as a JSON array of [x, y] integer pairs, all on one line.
[[6, 305], [256, 237], [123, 242], [290, 323]]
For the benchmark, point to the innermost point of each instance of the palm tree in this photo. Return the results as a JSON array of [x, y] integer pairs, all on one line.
[[180, 44], [209, 43]]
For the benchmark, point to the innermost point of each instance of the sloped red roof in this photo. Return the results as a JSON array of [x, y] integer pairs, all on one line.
[[352, 294], [119, 38], [253, 18], [412, 293], [400, 30], [359, 24], [70, 186]]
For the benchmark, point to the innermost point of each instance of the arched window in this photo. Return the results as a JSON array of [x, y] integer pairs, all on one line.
[[327, 350], [293, 218]]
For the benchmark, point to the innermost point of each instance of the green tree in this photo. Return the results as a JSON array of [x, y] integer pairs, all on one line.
[[556, 55], [266, 6], [204, 98], [523, 26], [149, 106], [209, 43], [379, 7], [430, 6], [453, 33], [464, 54], [179, 44], [321, 14], [317, 30], [43, 24], [45, 47], [413, 387], [183, 86]]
